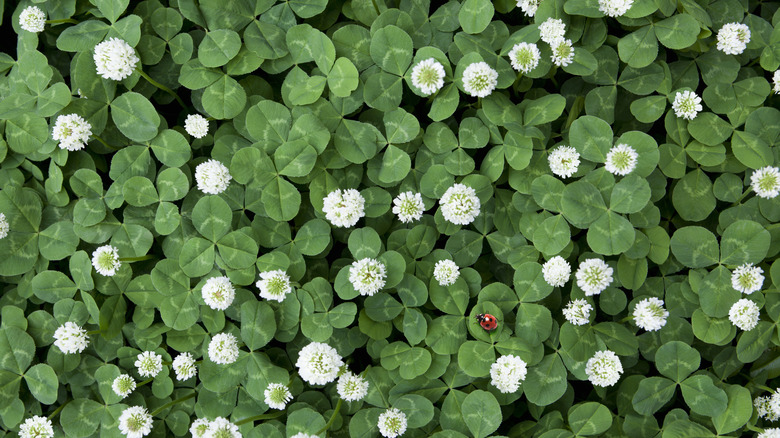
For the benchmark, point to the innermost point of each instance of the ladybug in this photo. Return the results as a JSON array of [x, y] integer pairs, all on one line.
[[487, 321]]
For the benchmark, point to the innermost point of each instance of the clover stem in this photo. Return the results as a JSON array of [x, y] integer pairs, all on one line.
[[162, 87], [764, 387], [62, 20], [57, 411], [169, 404], [259, 417], [742, 198], [94, 332], [332, 417], [104, 142], [136, 259], [144, 382]]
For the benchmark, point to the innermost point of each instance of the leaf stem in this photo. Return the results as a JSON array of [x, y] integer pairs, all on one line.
[[174, 402], [260, 417], [332, 417], [104, 143], [742, 198], [57, 411], [62, 20], [144, 382], [162, 87]]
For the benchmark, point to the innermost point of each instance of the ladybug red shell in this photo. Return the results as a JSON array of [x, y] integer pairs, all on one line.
[[487, 321]]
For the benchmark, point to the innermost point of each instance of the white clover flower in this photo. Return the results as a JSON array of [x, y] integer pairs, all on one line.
[[212, 177], [115, 59], [218, 293], [392, 423], [446, 272], [769, 433], [184, 366], [615, 8], [593, 276], [747, 278], [577, 312], [556, 271], [604, 368], [564, 161], [529, 7], [135, 422], [36, 427], [32, 19], [776, 82], [70, 338], [4, 227], [524, 57], [223, 349], [105, 260], [460, 204], [621, 160], [408, 206], [744, 314], [773, 405], [274, 285], [277, 395], [318, 363], [367, 276], [650, 315], [562, 52], [72, 131], [428, 76], [343, 208], [148, 363], [766, 182], [351, 387], [303, 435], [766, 409], [198, 427], [507, 373], [479, 79], [196, 125], [552, 29], [123, 385], [733, 38], [687, 104], [222, 428]]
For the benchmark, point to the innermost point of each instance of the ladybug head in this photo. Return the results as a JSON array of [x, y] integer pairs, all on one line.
[[480, 317]]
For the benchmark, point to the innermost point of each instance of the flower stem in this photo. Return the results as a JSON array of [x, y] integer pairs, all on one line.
[[57, 411], [162, 87], [260, 417], [174, 402], [104, 143], [332, 417], [144, 382], [136, 259], [742, 198], [94, 332], [62, 20]]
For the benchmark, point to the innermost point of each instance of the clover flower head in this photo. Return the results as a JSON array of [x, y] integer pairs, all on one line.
[[123, 385], [32, 19], [222, 428], [428, 76], [274, 285], [747, 278], [199, 427], [577, 312], [776, 82], [351, 387], [615, 8], [212, 177], [479, 79], [343, 208], [744, 314], [36, 427], [650, 315], [196, 125], [4, 227], [223, 348], [766, 408], [552, 29], [524, 57], [564, 161], [105, 260], [687, 104], [184, 366], [148, 363], [72, 131], [115, 59], [318, 363], [135, 422], [460, 204], [766, 182], [769, 433], [621, 160], [408, 206], [562, 52], [392, 423], [507, 373], [773, 405], [277, 395], [556, 271], [446, 272], [367, 276], [604, 368], [593, 276], [70, 338], [733, 38], [218, 293], [529, 7]]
